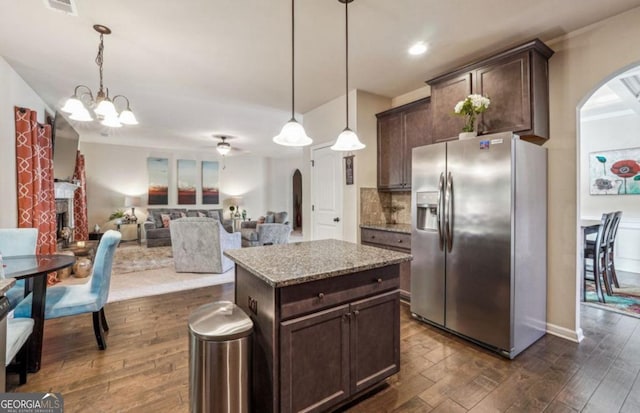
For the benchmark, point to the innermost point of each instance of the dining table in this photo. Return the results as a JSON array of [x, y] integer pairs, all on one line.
[[34, 269]]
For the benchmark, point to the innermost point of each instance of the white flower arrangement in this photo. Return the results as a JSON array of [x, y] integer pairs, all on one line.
[[469, 108]]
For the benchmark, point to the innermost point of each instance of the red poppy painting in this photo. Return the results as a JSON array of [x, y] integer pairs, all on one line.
[[615, 172]]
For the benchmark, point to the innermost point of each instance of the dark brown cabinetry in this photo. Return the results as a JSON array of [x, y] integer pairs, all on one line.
[[399, 131], [517, 83], [319, 344], [347, 349], [396, 241]]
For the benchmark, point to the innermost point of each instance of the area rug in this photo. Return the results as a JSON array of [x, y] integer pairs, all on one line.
[[625, 300], [136, 258], [140, 272]]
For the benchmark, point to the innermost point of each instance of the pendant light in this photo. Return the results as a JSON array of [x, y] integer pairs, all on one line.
[[347, 140], [102, 106], [292, 133]]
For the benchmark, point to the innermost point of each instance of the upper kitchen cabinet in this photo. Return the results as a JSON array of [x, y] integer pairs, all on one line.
[[516, 81], [399, 131]]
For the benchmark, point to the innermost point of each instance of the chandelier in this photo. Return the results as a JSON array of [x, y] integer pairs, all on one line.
[[82, 103]]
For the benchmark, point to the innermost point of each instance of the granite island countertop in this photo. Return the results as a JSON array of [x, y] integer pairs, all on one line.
[[300, 262], [5, 284], [402, 228]]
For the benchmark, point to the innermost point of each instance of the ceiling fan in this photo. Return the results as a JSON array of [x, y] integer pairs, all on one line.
[[225, 149]]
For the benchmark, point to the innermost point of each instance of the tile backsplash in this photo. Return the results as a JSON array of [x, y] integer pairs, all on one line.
[[384, 207]]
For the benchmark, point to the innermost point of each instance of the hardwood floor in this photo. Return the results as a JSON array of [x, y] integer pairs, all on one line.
[[145, 367]]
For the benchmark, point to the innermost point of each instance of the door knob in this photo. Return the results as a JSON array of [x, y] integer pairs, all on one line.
[[336, 219]]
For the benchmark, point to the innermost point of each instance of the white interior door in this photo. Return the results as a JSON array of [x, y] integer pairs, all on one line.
[[326, 195]]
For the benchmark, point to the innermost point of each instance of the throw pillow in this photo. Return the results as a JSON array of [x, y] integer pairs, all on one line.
[[213, 214], [280, 217], [157, 218], [183, 214], [261, 220], [166, 219], [270, 219], [201, 215], [175, 214]]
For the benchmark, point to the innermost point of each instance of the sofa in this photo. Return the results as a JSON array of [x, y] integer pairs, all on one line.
[[272, 228], [198, 245], [158, 234]]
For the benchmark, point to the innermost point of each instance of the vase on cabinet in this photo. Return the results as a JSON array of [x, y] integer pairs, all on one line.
[[467, 135]]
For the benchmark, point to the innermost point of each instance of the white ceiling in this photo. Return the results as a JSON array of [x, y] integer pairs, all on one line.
[[196, 68]]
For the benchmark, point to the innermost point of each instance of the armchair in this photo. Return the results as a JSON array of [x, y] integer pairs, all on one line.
[[198, 244], [18, 241], [90, 297], [273, 228]]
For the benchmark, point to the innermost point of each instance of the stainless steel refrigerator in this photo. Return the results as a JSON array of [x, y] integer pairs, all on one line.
[[479, 240]]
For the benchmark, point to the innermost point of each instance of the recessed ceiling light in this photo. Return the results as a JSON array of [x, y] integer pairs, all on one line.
[[418, 49]]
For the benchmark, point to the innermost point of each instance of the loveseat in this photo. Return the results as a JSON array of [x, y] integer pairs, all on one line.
[[157, 230], [273, 228]]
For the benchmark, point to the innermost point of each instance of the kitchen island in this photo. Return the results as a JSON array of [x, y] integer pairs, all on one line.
[[326, 321]]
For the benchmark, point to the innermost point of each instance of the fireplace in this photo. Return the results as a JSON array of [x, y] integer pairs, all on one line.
[[62, 217], [64, 208]]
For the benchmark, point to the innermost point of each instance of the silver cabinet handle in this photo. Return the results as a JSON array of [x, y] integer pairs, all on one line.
[[439, 212], [321, 296]]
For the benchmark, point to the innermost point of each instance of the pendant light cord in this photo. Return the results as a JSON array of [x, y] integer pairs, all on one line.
[[293, 59], [346, 57]]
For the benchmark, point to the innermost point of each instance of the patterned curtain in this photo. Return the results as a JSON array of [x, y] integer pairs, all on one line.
[[80, 201], [34, 163]]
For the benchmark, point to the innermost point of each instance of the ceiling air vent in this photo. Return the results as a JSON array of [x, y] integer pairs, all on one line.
[[65, 6]]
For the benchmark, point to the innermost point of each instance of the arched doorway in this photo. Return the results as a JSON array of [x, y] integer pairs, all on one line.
[[296, 220], [609, 125]]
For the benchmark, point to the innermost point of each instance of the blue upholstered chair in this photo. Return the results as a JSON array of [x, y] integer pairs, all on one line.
[[90, 297], [18, 332], [17, 241]]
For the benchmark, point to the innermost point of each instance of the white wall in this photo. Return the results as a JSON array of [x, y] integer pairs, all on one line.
[[14, 91], [584, 59], [279, 196], [115, 171], [600, 135], [324, 124], [609, 134]]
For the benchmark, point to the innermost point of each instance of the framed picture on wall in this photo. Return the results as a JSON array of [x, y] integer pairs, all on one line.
[[158, 170], [210, 183], [615, 172], [186, 182], [348, 167]]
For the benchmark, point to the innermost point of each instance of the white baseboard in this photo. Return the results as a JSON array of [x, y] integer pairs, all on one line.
[[572, 335]]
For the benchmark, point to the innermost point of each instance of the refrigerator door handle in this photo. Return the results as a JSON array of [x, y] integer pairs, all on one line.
[[449, 212], [440, 215]]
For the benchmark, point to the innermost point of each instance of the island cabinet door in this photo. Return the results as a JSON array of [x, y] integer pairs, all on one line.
[[375, 339], [314, 361]]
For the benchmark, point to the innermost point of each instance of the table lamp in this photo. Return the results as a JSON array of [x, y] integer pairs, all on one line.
[[132, 202]]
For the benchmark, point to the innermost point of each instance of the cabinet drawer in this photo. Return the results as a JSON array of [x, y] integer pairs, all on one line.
[[296, 300], [386, 238]]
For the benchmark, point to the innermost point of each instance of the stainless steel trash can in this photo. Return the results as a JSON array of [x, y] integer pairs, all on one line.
[[219, 358]]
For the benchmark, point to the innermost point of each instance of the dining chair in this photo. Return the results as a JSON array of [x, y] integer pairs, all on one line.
[[90, 297], [17, 241], [610, 240], [596, 251], [18, 332]]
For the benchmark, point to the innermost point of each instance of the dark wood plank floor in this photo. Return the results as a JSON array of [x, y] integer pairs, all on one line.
[[145, 368]]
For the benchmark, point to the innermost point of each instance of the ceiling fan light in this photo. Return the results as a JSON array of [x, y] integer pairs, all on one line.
[[128, 118], [348, 141], [223, 148], [292, 134], [111, 121], [81, 115], [73, 105]]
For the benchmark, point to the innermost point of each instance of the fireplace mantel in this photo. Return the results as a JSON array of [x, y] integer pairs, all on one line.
[[64, 190]]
